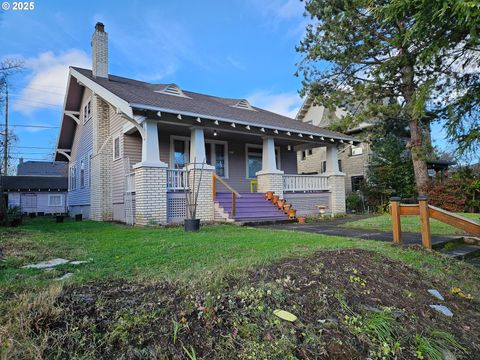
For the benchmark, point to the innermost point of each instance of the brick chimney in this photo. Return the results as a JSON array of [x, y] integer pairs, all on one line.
[[100, 51]]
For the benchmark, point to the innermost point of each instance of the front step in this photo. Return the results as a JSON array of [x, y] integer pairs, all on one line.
[[462, 252], [250, 207]]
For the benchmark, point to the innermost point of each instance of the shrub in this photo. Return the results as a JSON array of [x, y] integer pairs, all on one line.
[[354, 202], [450, 194]]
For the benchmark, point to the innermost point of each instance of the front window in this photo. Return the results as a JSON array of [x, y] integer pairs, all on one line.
[[220, 159], [54, 200], [179, 154], [254, 160]]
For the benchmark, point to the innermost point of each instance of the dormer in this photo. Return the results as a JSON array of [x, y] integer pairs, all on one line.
[[172, 89], [243, 104]]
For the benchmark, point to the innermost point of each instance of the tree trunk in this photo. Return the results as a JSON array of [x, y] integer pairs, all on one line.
[[418, 158]]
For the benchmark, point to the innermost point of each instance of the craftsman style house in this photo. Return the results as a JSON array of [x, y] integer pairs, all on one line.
[[132, 147]]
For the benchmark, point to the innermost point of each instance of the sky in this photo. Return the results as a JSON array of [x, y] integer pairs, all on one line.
[[238, 49]]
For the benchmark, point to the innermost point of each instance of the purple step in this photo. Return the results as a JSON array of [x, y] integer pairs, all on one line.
[[250, 207]]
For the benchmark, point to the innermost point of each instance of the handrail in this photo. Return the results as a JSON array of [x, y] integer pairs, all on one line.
[[235, 193], [447, 217], [224, 183]]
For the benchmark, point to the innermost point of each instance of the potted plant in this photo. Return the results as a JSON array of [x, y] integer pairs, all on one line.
[[280, 203], [275, 199], [292, 213], [59, 218], [269, 195], [78, 217], [286, 208], [301, 219], [191, 223]]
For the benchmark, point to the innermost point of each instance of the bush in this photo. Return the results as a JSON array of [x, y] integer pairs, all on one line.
[[449, 194], [14, 216], [354, 202]]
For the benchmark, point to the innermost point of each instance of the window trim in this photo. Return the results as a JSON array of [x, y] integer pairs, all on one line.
[[72, 177], [85, 105], [119, 147], [50, 196], [257, 146], [82, 168], [186, 139]]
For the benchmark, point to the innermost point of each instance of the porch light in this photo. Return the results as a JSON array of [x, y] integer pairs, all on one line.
[[233, 125], [247, 127], [289, 147], [215, 133], [216, 122], [262, 129], [159, 113], [198, 120], [179, 117]]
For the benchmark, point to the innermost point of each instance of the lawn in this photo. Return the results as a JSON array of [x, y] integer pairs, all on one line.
[[409, 224], [160, 292]]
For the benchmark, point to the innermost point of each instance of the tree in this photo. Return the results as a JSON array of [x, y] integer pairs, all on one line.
[[372, 53]]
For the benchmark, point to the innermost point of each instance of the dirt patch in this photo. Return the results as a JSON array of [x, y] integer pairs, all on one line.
[[350, 304]]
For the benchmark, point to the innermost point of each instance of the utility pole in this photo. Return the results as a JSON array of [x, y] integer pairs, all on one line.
[[5, 145]]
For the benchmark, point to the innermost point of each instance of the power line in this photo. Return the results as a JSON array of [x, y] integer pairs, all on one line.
[[33, 126], [32, 147]]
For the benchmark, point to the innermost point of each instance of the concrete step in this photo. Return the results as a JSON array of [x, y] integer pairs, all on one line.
[[449, 242], [462, 252]]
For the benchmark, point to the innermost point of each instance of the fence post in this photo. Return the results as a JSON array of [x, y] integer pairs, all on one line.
[[214, 186], [425, 222], [396, 225]]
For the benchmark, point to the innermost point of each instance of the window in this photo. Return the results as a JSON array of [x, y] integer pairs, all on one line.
[[55, 200], [116, 148], [219, 159], [90, 169], [357, 182], [29, 201], [254, 159], [339, 165], [73, 177], [324, 167], [356, 150], [180, 153], [82, 173], [87, 111]]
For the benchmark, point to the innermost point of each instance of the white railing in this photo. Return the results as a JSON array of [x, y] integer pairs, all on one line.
[[130, 188], [305, 182], [176, 179]]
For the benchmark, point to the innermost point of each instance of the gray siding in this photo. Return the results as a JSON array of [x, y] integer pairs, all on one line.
[[19, 199], [81, 149]]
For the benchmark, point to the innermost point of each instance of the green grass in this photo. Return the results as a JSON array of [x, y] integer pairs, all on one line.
[[117, 251], [409, 224]]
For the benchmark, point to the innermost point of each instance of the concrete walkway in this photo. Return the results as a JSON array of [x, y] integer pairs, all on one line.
[[332, 227]]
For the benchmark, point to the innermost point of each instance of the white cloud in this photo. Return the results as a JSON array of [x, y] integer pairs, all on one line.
[[286, 103], [48, 80]]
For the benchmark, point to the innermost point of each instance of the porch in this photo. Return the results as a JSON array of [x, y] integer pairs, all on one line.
[[246, 161]]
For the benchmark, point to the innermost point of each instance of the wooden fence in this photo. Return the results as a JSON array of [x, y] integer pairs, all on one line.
[[426, 212]]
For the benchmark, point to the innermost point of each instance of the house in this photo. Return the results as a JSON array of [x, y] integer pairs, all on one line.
[[39, 187], [135, 147], [352, 159]]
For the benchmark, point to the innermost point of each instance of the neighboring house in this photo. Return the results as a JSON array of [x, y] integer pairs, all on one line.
[[352, 158], [132, 146], [39, 187]]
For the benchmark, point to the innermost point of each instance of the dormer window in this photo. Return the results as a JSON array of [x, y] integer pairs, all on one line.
[[172, 89], [243, 104]]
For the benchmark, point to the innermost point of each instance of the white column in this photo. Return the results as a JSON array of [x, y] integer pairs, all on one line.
[[332, 159], [269, 163], [150, 145], [197, 146]]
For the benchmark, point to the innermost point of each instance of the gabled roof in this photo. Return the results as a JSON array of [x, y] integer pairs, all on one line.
[[42, 168], [141, 95], [34, 183]]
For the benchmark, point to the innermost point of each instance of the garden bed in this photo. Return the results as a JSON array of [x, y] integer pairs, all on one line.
[[350, 304]]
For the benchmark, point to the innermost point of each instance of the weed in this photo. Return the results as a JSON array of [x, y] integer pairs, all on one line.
[[434, 345], [191, 354]]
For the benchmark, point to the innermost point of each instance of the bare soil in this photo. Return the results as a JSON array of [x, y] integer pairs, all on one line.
[[233, 318]]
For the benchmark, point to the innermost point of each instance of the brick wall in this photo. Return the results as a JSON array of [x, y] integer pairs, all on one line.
[[270, 182], [205, 204], [336, 184]]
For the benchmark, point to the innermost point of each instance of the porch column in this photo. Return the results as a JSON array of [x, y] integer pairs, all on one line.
[[205, 203], [150, 180], [197, 146], [269, 178], [336, 182]]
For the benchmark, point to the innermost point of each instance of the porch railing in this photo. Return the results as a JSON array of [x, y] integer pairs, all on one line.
[[176, 179], [305, 182]]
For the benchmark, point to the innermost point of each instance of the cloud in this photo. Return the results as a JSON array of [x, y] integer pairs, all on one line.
[[48, 80], [285, 103]]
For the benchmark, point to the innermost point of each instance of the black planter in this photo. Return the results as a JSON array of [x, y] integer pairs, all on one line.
[[59, 218], [192, 224], [78, 217]]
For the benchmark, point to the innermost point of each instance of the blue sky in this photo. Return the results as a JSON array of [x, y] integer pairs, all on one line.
[[242, 49]]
